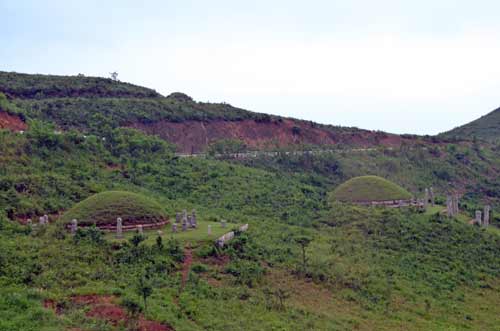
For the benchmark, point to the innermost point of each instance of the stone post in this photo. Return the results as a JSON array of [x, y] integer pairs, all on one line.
[[184, 225], [426, 198], [174, 228], [140, 229], [119, 228], [449, 206], [74, 226], [177, 217], [455, 204], [190, 222], [193, 217], [433, 199], [478, 217], [223, 224], [184, 214], [209, 229], [486, 216]]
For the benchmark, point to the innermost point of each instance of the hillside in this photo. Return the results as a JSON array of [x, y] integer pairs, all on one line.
[[486, 128], [96, 105], [305, 262]]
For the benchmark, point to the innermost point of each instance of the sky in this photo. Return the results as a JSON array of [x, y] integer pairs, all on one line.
[[420, 67]]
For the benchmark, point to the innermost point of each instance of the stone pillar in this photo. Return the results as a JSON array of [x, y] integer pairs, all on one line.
[[177, 217], [41, 220], [174, 228], [119, 228], [74, 226], [139, 229], [486, 216], [433, 199], [478, 217], [223, 224], [184, 215], [449, 206], [426, 198], [184, 225], [455, 204], [190, 221], [209, 229], [193, 217]]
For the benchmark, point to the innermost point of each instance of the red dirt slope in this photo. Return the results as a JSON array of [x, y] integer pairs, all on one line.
[[195, 136], [11, 122]]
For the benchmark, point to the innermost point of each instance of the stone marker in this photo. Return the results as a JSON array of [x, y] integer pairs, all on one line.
[[209, 230], [41, 220], [193, 217], [190, 222], [139, 229], [223, 224], [174, 228], [431, 193], [426, 198], [455, 204], [119, 228], [486, 216], [478, 217], [449, 206], [74, 226], [46, 219], [184, 214], [177, 217], [184, 225]]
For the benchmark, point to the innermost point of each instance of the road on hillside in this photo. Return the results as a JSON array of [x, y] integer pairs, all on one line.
[[254, 154]]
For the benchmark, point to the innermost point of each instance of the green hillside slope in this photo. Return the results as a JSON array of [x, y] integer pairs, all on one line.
[[303, 263], [486, 128]]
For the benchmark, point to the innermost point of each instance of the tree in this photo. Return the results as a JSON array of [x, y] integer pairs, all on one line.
[[114, 75], [303, 242], [144, 289]]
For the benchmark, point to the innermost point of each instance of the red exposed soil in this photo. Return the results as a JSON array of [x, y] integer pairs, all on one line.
[[11, 122], [104, 307], [220, 261], [195, 136]]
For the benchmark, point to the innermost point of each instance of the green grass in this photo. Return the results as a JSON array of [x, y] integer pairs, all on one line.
[[198, 235], [369, 188], [105, 207]]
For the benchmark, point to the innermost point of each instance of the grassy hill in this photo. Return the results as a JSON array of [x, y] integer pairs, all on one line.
[[105, 207], [369, 188], [486, 128]]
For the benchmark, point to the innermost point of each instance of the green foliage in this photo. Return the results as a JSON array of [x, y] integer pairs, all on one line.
[[485, 128]]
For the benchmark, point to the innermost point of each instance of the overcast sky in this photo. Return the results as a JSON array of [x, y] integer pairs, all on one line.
[[400, 66]]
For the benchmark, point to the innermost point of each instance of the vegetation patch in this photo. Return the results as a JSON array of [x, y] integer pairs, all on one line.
[[369, 188], [104, 208]]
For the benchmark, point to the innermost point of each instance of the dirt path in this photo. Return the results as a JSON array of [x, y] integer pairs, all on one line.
[[186, 265]]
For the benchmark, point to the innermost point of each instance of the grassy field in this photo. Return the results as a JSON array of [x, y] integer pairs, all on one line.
[[193, 236]]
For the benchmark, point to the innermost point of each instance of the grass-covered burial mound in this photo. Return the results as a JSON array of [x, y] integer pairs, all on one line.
[[369, 188], [104, 208]]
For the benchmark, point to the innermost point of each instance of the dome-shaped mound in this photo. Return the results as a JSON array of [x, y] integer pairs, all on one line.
[[104, 208], [369, 188]]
